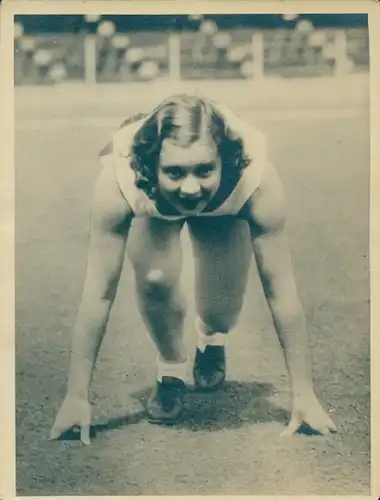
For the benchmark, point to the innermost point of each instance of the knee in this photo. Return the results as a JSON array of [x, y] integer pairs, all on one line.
[[156, 286]]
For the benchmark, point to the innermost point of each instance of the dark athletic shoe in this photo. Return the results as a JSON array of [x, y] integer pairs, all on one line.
[[165, 405], [209, 369]]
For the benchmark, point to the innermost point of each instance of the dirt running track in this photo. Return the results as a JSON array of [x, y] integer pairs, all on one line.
[[229, 442]]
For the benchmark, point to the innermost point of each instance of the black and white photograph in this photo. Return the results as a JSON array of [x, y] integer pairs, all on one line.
[[192, 252]]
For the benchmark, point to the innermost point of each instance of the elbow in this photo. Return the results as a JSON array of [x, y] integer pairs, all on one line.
[[286, 309], [109, 293], [101, 294], [283, 301]]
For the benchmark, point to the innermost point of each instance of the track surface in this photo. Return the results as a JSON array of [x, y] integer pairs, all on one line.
[[229, 442]]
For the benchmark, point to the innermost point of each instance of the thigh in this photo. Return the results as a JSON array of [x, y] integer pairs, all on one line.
[[223, 254], [154, 245]]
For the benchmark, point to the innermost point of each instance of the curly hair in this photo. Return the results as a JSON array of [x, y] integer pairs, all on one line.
[[185, 118]]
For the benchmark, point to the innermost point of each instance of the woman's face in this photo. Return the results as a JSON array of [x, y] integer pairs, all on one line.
[[189, 176]]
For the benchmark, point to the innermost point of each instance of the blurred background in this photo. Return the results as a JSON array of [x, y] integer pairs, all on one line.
[[56, 49]]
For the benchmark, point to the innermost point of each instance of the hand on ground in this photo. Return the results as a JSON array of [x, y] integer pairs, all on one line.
[[74, 413], [307, 410]]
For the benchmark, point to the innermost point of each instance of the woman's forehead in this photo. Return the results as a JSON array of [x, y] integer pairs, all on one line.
[[202, 150]]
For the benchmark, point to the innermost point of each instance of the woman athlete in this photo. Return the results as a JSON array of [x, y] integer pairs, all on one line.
[[190, 161]]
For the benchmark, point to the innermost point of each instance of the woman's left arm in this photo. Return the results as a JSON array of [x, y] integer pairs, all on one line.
[[266, 215]]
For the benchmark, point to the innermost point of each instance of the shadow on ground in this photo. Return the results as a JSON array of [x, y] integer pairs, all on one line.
[[234, 405]]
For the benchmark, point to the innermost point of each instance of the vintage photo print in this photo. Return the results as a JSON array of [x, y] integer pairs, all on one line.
[[187, 248]]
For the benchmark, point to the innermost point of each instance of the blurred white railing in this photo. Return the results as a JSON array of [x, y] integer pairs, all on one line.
[[237, 54]]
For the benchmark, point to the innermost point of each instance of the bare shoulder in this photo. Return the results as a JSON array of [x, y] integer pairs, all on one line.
[[110, 210], [265, 210]]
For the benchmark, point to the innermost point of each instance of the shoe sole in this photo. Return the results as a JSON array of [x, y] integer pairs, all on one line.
[[168, 423]]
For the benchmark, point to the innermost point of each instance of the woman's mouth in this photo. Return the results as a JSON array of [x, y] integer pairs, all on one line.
[[189, 204]]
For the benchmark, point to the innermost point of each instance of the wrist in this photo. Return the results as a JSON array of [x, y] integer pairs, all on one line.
[[77, 389], [302, 388], [302, 381], [80, 375]]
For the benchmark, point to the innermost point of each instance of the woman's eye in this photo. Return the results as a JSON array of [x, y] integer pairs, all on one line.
[[174, 173], [206, 170]]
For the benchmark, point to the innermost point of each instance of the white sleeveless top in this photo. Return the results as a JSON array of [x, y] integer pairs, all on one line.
[[119, 158]]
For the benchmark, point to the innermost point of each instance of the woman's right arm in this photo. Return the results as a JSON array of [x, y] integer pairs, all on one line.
[[111, 218]]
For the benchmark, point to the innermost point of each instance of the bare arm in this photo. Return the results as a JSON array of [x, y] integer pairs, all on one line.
[[110, 221], [266, 215], [272, 253]]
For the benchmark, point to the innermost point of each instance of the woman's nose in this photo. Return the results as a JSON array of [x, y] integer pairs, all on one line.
[[190, 187]]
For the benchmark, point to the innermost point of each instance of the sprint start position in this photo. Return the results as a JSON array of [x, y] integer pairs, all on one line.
[[195, 162]]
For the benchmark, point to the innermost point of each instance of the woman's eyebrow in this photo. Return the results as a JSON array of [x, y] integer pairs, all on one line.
[[206, 164], [172, 168], [185, 167]]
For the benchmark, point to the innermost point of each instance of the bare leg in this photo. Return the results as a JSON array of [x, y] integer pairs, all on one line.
[[156, 257], [223, 252], [157, 261], [223, 255]]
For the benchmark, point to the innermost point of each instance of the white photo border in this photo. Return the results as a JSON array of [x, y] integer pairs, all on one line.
[[7, 184]]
